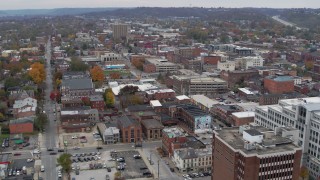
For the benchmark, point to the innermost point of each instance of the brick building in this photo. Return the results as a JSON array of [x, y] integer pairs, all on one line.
[[67, 101], [78, 119], [241, 118], [170, 137], [234, 77], [160, 94], [192, 116], [152, 129], [223, 112], [21, 125], [130, 130], [77, 85], [97, 102], [254, 153], [152, 65], [279, 84]]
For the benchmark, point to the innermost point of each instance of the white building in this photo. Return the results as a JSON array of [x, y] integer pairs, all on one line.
[[247, 62], [226, 65], [109, 56], [192, 160], [303, 114]]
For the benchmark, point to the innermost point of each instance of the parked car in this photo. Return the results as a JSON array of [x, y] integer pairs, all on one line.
[[108, 169], [107, 177]]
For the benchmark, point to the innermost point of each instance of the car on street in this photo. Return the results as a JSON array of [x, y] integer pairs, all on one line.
[[108, 169], [49, 149], [107, 177], [137, 156], [76, 148], [16, 154], [53, 153]]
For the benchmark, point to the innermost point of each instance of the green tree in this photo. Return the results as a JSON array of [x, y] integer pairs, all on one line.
[[77, 65], [109, 99], [11, 82], [40, 121], [64, 160]]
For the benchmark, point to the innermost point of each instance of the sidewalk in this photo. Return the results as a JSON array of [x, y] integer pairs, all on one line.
[[146, 161]]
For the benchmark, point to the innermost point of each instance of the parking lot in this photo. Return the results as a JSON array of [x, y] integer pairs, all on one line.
[[133, 168], [17, 165], [78, 140]]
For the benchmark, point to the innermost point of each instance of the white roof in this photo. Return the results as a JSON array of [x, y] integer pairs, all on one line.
[[69, 112], [182, 97], [155, 103], [246, 91], [27, 101], [159, 91], [243, 114], [142, 87], [204, 100]]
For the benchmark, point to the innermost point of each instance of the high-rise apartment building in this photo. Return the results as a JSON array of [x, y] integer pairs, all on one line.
[[255, 153], [120, 31], [302, 114]]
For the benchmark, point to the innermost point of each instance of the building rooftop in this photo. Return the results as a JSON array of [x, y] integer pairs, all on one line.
[[74, 84], [155, 103], [158, 61], [207, 79], [173, 132], [182, 97], [125, 121], [280, 78], [270, 144], [243, 114], [135, 108], [96, 98], [152, 124], [246, 91], [204, 100], [29, 119], [192, 110]]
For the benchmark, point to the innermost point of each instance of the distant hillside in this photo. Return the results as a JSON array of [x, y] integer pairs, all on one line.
[[206, 13], [303, 18], [52, 12]]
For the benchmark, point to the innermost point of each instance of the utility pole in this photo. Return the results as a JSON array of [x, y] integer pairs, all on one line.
[[158, 169]]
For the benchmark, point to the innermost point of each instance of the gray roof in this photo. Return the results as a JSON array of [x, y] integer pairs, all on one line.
[[188, 154], [29, 119], [253, 132], [152, 124], [84, 83], [125, 121]]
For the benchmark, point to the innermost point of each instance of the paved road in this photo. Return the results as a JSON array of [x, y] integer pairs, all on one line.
[[49, 162], [286, 23]]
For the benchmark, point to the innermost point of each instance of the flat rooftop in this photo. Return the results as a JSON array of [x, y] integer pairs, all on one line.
[[173, 132], [270, 145], [207, 80], [204, 100]]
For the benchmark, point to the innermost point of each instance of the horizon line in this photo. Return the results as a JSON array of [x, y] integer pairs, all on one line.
[[158, 7]]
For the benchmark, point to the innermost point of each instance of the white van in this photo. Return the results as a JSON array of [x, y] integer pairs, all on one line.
[[42, 168]]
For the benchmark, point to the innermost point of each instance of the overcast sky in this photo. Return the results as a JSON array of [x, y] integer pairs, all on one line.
[[49, 4]]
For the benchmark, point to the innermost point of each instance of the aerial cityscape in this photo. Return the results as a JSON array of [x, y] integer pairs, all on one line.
[[182, 90]]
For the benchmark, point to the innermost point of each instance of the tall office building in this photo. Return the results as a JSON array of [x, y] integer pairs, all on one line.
[[120, 31], [302, 114], [255, 153]]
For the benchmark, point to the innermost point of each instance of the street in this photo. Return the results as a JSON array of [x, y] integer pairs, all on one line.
[[49, 162]]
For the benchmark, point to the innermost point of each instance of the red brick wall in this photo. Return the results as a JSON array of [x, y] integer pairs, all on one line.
[[149, 68], [276, 87], [21, 128], [25, 114], [213, 60], [166, 95], [97, 105], [235, 121]]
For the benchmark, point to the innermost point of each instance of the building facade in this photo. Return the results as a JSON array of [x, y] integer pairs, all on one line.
[[279, 84], [130, 130], [249, 153], [304, 115]]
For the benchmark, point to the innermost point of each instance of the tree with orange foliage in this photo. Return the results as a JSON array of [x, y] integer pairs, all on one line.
[[37, 73], [97, 74], [115, 75]]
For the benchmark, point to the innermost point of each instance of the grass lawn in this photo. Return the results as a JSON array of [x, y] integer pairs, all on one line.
[[122, 72]]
